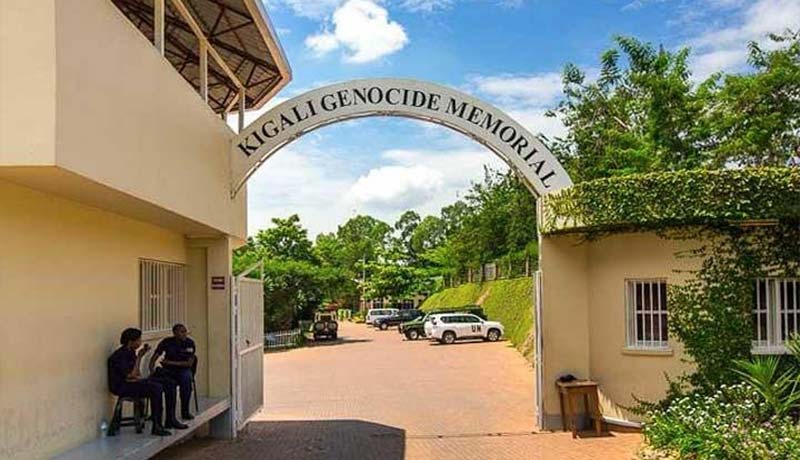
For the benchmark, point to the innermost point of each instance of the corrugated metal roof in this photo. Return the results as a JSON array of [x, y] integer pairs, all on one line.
[[237, 29]]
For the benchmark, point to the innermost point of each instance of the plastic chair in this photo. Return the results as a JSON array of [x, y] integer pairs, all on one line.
[[138, 419]]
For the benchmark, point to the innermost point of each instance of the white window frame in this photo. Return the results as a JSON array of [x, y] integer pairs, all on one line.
[[162, 296], [656, 300], [778, 310]]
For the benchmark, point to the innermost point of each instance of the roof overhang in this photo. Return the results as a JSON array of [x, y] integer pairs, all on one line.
[[239, 31]]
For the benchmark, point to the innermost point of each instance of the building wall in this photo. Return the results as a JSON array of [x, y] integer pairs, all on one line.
[[27, 82], [565, 317], [85, 91], [69, 284], [584, 325], [621, 372]]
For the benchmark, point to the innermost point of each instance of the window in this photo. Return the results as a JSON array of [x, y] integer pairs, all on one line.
[[646, 306], [162, 295], [471, 319], [776, 313]]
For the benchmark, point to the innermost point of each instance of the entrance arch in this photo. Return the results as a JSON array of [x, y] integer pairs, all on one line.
[[522, 151]]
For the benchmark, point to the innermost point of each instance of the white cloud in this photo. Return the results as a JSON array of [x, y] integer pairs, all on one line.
[[419, 179], [525, 97], [363, 29], [535, 120], [724, 48], [426, 6], [537, 89], [303, 179], [397, 187]]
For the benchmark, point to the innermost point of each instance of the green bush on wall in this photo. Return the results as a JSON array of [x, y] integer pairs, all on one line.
[[659, 200]]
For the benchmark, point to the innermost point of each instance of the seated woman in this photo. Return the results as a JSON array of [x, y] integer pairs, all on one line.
[[125, 380]]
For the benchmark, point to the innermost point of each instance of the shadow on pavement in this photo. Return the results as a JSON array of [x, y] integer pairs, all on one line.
[[310, 343], [299, 440], [330, 343]]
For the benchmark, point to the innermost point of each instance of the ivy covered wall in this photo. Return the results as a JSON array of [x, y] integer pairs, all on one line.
[[661, 200]]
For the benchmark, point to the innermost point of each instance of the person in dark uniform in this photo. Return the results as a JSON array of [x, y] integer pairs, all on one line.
[[179, 364], [124, 379]]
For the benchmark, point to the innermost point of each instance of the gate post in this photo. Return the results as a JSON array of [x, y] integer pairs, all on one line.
[[220, 345]]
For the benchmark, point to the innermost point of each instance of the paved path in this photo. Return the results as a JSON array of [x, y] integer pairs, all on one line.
[[372, 395]]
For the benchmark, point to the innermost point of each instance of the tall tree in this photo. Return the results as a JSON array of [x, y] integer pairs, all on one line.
[[755, 116], [362, 238], [639, 115], [285, 240]]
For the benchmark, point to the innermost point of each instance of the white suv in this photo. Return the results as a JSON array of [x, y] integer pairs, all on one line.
[[449, 327], [378, 313]]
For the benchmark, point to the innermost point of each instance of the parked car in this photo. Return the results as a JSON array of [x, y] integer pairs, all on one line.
[[377, 313], [415, 329], [325, 325], [398, 318], [449, 327]]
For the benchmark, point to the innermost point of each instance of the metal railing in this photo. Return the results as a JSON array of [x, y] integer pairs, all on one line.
[[282, 339]]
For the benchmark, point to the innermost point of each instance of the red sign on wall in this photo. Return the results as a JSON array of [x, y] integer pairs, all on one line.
[[218, 282]]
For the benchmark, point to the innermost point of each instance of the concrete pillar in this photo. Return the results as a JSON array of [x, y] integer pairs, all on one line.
[[218, 313]]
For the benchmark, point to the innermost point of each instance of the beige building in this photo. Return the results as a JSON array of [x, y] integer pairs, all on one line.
[[591, 293], [115, 201], [609, 252]]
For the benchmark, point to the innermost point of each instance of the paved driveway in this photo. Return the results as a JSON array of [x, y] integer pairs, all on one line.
[[372, 395]]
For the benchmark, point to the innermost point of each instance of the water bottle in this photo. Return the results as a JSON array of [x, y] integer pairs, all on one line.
[[104, 428]]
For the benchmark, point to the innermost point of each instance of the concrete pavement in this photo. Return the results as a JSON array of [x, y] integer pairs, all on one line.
[[373, 395]]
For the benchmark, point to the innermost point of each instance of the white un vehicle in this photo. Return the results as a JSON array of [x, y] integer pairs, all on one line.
[[449, 327], [375, 314]]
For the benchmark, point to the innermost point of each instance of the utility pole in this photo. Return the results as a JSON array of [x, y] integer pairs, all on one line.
[[364, 283]]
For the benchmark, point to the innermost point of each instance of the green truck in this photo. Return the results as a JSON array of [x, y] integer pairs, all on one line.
[[415, 329]]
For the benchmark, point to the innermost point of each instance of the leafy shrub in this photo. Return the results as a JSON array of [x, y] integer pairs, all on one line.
[[508, 301], [734, 423]]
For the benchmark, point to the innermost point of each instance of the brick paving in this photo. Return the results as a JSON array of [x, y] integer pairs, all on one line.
[[372, 395]]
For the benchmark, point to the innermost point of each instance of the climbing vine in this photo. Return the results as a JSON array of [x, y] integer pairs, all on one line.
[[663, 200], [711, 313]]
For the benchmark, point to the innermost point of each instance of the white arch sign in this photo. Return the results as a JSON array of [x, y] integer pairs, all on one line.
[[483, 122]]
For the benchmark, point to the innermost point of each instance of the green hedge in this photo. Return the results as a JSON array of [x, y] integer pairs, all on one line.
[[661, 200], [507, 301]]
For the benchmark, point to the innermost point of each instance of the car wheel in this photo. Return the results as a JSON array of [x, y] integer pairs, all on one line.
[[412, 335], [384, 326], [334, 336], [493, 335], [449, 337]]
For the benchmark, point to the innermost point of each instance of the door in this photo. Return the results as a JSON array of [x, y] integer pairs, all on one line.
[[249, 348]]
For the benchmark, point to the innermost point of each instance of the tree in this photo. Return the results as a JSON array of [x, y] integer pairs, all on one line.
[[405, 227], [643, 113], [286, 240], [429, 234], [390, 280], [362, 238], [640, 117], [755, 117]]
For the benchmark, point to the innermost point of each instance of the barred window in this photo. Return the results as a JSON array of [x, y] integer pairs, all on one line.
[[646, 307], [162, 295], [776, 313]]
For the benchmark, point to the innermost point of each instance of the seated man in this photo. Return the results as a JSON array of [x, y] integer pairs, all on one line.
[[178, 364], [124, 379]]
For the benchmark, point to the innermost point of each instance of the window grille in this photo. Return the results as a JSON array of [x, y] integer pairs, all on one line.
[[162, 295], [776, 313], [646, 306]]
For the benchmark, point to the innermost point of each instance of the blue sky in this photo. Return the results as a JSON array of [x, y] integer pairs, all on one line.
[[509, 52]]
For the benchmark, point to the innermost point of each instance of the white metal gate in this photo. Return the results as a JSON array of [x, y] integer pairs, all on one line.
[[248, 342]]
